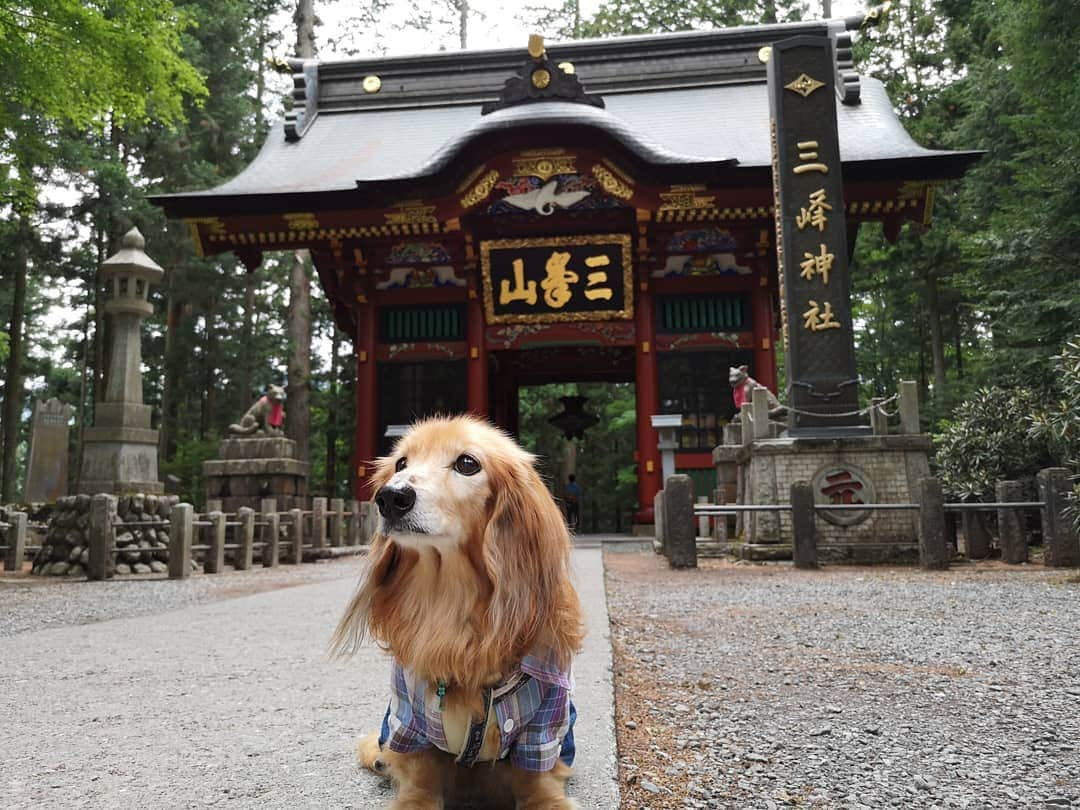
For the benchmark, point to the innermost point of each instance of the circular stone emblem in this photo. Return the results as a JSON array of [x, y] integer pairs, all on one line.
[[843, 484]]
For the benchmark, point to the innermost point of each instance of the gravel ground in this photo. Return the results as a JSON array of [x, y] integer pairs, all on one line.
[[761, 686], [36, 603]]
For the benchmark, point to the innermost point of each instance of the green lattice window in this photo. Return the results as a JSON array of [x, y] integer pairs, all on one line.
[[702, 313], [409, 324]]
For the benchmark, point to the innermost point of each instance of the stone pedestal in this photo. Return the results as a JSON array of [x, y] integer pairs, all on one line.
[[850, 469], [253, 468]]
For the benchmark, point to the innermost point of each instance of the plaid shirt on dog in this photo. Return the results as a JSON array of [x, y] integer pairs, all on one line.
[[532, 706]]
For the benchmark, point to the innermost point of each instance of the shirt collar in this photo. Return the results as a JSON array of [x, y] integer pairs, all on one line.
[[543, 666]]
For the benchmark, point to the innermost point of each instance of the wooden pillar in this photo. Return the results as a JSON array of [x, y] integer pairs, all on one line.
[[647, 393], [761, 309], [476, 375], [365, 447]]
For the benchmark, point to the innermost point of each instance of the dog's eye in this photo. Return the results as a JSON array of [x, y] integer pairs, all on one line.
[[402, 463], [466, 465]]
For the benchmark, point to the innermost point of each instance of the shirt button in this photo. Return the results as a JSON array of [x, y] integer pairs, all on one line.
[[508, 726]]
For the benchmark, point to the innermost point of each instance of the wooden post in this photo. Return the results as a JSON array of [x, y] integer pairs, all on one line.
[[353, 526], [646, 404], [318, 522], [215, 555], [681, 539], [1059, 536], [933, 552], [101, 541], [909, 407], [369, 522], [270, 536], [1011, 531], [296, 536], [803, 525], [245, 538], [16, 542], [337, 522], [181, 528], [659, 525]]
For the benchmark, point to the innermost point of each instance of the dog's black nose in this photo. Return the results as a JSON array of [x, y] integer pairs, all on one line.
[[393, 502]]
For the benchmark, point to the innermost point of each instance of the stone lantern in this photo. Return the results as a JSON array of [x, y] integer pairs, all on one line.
[[120, 452]]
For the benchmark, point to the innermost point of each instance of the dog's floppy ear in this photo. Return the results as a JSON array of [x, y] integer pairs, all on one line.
[[527, 556], [384, 559]]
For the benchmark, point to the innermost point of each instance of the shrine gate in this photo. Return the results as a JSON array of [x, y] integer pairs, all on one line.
[[603, 210]]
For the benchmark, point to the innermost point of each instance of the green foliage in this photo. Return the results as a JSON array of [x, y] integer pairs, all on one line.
[[186, 464], [3, 346], [1058, 425], [986, 440], [616, 17]]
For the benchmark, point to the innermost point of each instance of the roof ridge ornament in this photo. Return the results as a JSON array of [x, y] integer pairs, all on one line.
[[541, 79]]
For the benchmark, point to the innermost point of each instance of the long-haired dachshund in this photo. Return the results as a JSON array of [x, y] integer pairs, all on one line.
[[467, 584]]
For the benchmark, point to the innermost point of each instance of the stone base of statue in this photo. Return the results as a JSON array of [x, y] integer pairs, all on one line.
[[875, 469], [120, 453], [250, 468]]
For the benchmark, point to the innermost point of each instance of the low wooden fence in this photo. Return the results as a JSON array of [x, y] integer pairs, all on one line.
[[209, 539], [677, 528]]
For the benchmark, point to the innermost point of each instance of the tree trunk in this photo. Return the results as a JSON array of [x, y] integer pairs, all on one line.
[[100, 336], [299, 399], [937, 345], [304, 18], [331, 413], [83, 372], [299, 403], [169, 410], [13, 389], [463, 17], [247, 349], [209, 400], [959, 352]]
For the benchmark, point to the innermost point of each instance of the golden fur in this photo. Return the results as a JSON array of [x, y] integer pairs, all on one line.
[[485, 582]]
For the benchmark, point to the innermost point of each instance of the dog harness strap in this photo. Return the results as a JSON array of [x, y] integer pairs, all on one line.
[[474, 740]]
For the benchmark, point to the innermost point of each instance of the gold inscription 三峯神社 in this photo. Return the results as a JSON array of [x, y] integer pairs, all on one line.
[[557, 281], [814, 213], [808, 152], [817, 265], [521, 291], [817, 319]]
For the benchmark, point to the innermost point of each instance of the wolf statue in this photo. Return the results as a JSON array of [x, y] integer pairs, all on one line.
[[742, 389], [265, 416]]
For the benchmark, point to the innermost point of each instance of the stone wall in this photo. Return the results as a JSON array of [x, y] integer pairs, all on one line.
[[140, 549]]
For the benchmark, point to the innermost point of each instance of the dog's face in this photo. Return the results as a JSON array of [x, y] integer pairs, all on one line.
[[470, 564], [440, 479]]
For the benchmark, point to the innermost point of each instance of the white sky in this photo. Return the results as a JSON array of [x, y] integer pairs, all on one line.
[[492, 25]]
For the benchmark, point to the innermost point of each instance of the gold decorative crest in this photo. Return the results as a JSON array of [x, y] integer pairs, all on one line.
[[301, 221], [411, 212], [481, 190], [372, 84], [541, 79], [683, 198], [544, 164], [804, 85], [611, 184]]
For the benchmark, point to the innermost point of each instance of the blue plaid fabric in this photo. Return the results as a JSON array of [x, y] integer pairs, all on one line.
[[536, 698]]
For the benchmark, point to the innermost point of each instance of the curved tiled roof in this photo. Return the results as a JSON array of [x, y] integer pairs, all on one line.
[[676, 99]]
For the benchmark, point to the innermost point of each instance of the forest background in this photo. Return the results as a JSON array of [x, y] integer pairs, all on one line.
[[106, 103]]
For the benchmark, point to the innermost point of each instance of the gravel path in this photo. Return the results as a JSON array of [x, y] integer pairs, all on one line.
[[761, 686], [228, 703], [37, 603]]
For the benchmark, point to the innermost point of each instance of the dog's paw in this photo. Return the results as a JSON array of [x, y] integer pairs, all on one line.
[[370, 755]]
